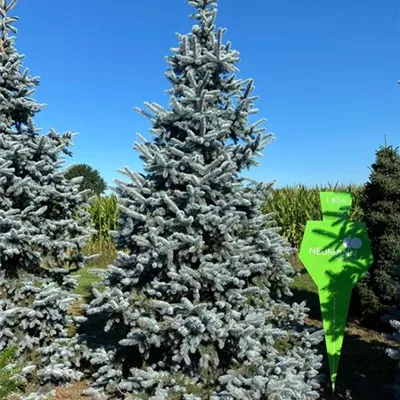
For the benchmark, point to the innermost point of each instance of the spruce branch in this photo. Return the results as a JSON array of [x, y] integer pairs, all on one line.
[[6, 21]]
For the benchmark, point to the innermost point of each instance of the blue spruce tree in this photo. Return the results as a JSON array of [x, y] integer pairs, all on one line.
[[193, 309], [42, 228], [392, 319]]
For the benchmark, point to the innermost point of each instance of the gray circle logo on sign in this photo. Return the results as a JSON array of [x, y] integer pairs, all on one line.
[[352, 243]]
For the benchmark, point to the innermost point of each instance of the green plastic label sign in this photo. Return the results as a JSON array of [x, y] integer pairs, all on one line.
[[336, 253]]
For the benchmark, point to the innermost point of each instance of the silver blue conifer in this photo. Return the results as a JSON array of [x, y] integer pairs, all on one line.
[[193, 307], [43, 228]]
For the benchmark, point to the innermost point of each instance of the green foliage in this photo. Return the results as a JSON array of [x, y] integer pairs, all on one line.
[[106, 255], [380, 287], [91, 178], [104, 218], [8, 382], [294, 206]]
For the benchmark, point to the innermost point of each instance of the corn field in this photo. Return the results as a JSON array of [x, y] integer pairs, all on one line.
[[294, 206], [104, 218]]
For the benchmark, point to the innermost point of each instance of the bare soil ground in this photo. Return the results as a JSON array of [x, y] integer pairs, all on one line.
[[72, 393]]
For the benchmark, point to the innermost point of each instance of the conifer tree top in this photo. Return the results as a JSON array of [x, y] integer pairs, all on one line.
[[16, 84], [6, 21], [205, 9]]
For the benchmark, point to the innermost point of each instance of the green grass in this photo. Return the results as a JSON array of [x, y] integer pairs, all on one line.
[[86, 280], [304, 283]]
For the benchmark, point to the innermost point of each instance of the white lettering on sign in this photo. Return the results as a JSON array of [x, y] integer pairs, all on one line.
[[346, 254], [323, 252], [335, 200]]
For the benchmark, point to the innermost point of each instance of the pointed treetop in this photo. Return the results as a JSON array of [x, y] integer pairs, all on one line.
[[202, 4], [6, 21], [206, 11]]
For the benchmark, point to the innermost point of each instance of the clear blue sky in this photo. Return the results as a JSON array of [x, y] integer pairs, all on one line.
[[325, 72]]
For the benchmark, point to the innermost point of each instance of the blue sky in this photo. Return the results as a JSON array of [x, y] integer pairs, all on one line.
[[325, 73]]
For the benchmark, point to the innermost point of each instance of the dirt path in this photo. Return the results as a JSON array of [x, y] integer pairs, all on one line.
[[72, 393]]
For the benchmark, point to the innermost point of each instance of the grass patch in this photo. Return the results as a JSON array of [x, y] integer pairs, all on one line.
[[304, 283], [107, 255], [86, 280]]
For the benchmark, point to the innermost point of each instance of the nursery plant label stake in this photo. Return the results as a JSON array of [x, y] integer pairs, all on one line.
[[336, 253]]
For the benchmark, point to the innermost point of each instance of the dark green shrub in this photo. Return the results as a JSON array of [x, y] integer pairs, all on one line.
[[380, 287]]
